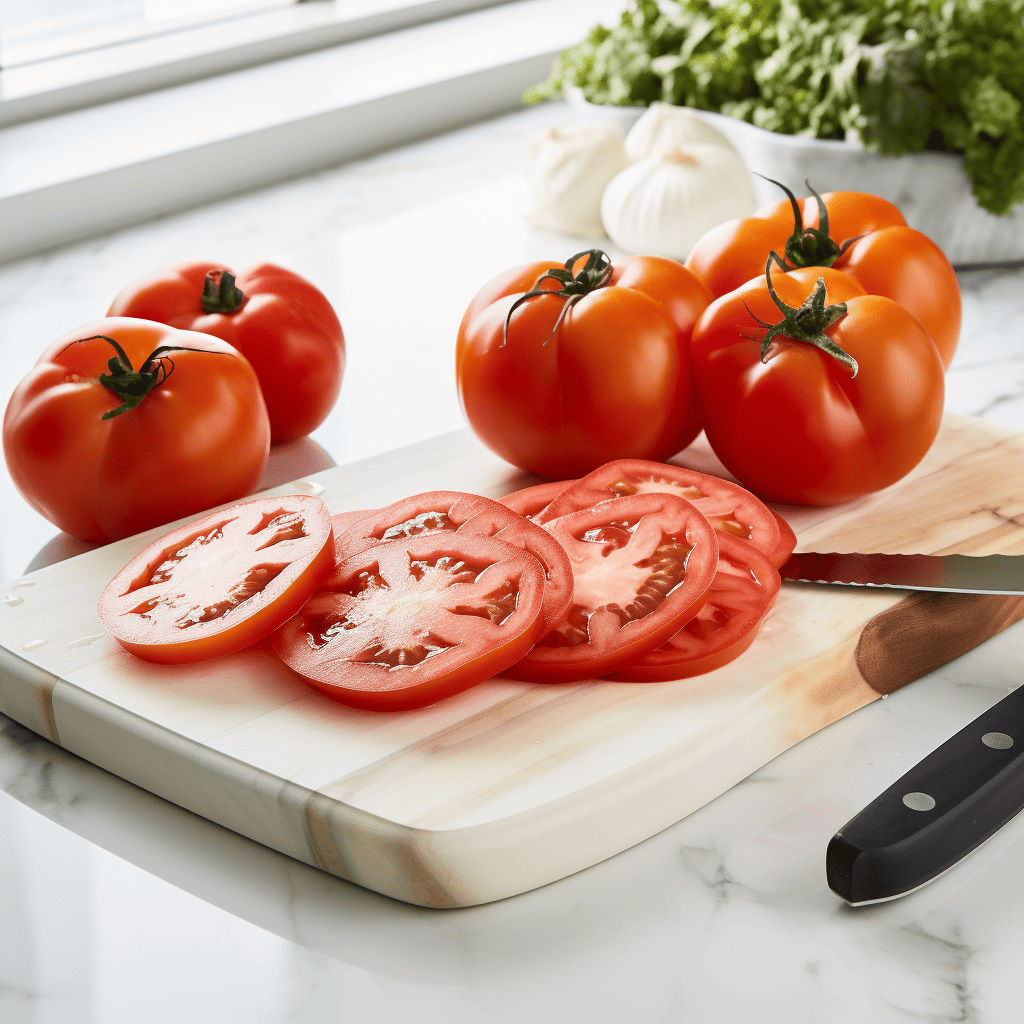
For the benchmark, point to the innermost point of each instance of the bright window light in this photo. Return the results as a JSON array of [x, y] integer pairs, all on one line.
[[35, 30]]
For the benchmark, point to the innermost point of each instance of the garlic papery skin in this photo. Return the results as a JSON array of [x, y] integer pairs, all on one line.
[[662, 205], [568, 171], [664, 127]]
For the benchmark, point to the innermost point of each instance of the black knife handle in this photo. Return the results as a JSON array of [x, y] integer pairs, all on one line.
[[903, 839]]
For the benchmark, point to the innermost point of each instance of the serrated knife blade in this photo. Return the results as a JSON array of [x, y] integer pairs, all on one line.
[[958, 574]]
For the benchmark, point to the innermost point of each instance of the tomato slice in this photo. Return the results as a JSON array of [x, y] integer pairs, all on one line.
[[787, 541], [221, 582], [729, 507], [410, 621], [530, 501], [641, 566], [341, 521], [743, 590], [473, 515]]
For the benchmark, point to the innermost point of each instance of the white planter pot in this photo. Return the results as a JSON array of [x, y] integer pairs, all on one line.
[[931, 189]]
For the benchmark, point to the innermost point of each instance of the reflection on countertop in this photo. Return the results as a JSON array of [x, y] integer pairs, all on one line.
[[118, 906]]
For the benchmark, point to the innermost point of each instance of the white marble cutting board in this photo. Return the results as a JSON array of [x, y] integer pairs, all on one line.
[[510, 785]]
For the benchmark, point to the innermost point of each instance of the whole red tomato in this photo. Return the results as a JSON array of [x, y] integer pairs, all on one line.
[[127, 424], [863, 235], [561, 368], [280, 322], [813, 393]]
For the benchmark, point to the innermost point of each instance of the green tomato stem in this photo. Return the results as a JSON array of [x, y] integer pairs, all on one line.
[[807, 323]]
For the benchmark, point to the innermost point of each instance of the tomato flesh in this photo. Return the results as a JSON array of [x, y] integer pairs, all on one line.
[[471, 515], [531, 501], [728, 507], [405, 623], [221, 583], [743, 590], [641, 566]]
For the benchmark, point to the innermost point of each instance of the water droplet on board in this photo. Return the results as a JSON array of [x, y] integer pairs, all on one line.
[[12, 600], [84, 641], [308, 487], [33, 644]]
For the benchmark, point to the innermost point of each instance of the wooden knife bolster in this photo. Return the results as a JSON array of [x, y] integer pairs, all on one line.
[[927, 630]]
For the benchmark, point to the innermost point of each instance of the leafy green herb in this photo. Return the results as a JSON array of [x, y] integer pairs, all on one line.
[[900, 75]]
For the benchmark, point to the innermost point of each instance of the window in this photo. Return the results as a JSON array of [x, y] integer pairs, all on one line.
[[37, 30]]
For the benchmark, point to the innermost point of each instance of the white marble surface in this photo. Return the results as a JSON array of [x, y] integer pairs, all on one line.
[[117, 906]]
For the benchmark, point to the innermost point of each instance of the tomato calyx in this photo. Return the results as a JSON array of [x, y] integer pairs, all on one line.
[[806, 323], [810, 247], [221, 294], [130, 385], [595, 273]]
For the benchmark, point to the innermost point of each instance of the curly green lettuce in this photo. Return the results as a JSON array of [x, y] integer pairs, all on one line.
[[900, 75]]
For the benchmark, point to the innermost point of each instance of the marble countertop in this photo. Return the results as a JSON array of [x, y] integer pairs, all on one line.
[[118, 906]]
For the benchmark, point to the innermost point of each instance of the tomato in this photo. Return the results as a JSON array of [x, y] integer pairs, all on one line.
[[531, 501], [221, 583], [743, 590], [557, 382], [848, 399], [410, 621], [341, 521], [280, 322], [126, 424], [787, 542], [641, 568], [473, 515], [728, 507], [862, 235]]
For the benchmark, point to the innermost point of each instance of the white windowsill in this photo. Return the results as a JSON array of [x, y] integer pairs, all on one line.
[[80, 173], [98, 75]]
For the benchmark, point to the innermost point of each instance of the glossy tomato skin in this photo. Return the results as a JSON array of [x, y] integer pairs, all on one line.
[[731, 254], [383, 634], [904, 265], [268, 556], [198, 439], [890, 258], [285, 327], [799, 428], [613, 381]]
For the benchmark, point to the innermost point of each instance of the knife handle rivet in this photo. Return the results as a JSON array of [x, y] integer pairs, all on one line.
[[919, 801], [997, 740]]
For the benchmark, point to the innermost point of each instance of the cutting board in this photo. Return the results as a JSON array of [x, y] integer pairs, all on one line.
[[510, 785]]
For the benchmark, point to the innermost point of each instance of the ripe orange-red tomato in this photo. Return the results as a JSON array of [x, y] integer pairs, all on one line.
[[593, 365], [802, 426], [280, 322], [884, 256], [127, 424]]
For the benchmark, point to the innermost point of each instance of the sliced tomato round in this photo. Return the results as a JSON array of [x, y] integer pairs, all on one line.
[[743, 590], [407, 622], [641, 567], [531, 501], [787, 541], [473, 515], [341, 521], [728, 507], [222, 582]]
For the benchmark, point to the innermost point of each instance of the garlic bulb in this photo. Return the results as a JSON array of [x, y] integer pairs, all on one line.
[[663, 126], [568, 171], [662, 205]]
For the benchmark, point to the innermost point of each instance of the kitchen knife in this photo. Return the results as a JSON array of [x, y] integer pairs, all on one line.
[[942, 809], [964, 574]]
